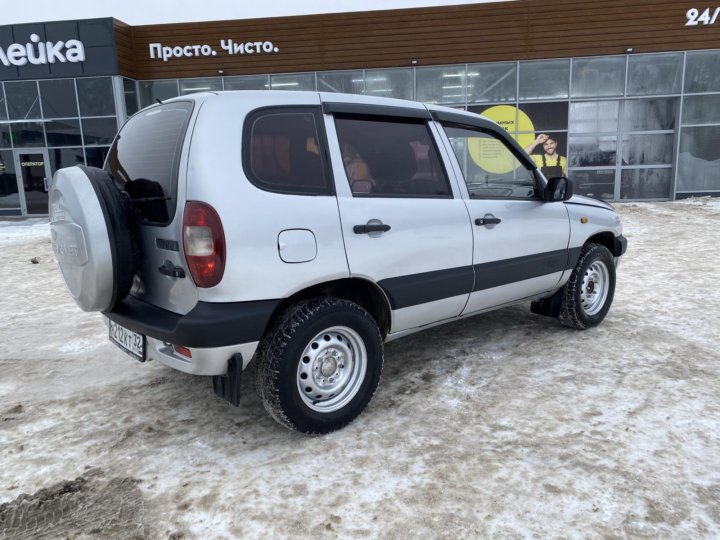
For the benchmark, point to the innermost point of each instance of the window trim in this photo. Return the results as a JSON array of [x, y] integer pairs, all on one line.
[[371, 109], [386, 116], [246, 150], [501, 137]]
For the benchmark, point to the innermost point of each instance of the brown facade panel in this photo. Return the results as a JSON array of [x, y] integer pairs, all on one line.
[[125, 49], [518, 30], [374, 19]]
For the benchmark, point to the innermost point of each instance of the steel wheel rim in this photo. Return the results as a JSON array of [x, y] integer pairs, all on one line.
[[332, 369], [595, 288]]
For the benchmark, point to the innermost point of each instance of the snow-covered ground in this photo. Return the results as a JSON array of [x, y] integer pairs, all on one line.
[[504, 425]]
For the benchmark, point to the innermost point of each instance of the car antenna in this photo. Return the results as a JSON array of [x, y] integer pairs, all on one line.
[[159, 100]]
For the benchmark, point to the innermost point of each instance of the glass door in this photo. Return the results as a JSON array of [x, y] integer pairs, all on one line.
[[10, 199], [33, 169]]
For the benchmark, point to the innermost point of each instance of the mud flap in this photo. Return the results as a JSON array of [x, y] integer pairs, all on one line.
[[228, 386], [550, 307]]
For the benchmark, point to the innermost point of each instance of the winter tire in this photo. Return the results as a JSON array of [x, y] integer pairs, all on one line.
[[92, 237], [588, 294], [319, 365]]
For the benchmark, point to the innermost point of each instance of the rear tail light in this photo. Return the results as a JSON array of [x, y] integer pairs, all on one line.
[[204, 244]]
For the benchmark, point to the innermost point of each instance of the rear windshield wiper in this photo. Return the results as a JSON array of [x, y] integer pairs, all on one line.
[[150, 199]]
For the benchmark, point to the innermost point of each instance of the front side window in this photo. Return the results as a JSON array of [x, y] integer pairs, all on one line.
[[390, 157], [489, 167], [282, 152]]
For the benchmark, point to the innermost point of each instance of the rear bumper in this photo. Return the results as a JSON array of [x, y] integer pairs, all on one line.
[[212, 332], [212, 361], [207, 325]]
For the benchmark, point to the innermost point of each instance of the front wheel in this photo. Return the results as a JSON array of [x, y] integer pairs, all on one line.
[[319, 365], [589, 292]]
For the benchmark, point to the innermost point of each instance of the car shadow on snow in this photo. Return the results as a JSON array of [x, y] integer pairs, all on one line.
[[180, 409]]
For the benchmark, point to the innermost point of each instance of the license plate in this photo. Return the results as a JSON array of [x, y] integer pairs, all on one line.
[[130, 342]]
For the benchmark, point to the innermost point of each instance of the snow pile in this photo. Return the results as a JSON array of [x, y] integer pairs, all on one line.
[[21, 231], [712, 203]]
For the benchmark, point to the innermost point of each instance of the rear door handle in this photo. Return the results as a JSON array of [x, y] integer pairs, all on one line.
[[169, 269], [487, 221], [371, 228]]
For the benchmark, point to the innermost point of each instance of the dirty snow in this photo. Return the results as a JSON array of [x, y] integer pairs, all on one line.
[[504, 425], [20, 231]]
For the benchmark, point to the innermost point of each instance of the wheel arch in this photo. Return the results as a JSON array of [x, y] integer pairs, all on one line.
[[363, 292], [607, 239]]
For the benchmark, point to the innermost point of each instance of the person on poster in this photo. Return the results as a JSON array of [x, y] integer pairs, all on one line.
[[550, 162]]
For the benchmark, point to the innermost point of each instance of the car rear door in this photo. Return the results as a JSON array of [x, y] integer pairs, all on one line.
[[404, 224], [520, 241]]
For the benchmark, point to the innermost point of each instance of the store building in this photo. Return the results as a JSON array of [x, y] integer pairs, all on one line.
[[629, 90]]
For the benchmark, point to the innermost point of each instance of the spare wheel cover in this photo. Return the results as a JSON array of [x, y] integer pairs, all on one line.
[[91, 237]]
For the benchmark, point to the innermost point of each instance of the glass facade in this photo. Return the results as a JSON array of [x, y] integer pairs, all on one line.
[[491, 83], [440, 84], [698, 158], [625, 127], [57, 123], [546, 79], [346, 82], [598, 77]]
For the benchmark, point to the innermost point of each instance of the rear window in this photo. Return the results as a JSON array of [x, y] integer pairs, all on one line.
[[145, 158], [282, 151]]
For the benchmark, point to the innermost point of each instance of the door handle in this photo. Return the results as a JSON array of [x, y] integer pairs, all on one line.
[[487, 221], [169, 269], [371, 228]]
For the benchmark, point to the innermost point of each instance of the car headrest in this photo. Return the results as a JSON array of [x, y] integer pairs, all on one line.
[[393, 160]]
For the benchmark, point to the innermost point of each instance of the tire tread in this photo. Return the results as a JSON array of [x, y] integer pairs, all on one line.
[[271, 352], [570, 311]]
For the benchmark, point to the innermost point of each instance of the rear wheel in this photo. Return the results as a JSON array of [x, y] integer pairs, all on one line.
[[589, 292], [319, 365]]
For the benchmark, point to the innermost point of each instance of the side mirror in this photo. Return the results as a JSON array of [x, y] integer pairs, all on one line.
[[558, 189]]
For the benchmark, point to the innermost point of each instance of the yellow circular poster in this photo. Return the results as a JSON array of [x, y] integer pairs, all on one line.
[[491, 155]]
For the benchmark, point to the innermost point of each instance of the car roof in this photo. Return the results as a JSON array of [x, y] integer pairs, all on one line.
[[334, 97], [333, 102]]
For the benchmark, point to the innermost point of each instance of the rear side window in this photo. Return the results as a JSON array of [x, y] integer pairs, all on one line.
[[282, 151], [145, 158], [390, 157]]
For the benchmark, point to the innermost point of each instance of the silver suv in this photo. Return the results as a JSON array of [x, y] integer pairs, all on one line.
[[306, 229]]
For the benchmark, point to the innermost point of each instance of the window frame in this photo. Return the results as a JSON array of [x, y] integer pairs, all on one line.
[[522, 159], [419, 117], [246, 150]]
